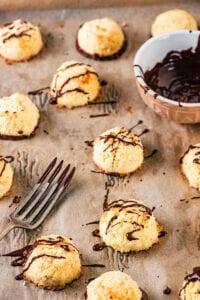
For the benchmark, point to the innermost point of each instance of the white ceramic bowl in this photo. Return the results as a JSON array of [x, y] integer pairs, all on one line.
[[153, 51]]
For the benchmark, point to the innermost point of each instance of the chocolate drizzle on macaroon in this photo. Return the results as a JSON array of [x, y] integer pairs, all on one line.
[[131, 207], [113, 140], [25, 252], [195, 276], [60, 92], [5, 159], [16, 26]]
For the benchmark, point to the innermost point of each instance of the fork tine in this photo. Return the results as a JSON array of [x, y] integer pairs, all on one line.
[[26, 210], [52, 201], [69, 178], [48, 170], [36, 186], [41, 204], [57, 170], [62, 176]]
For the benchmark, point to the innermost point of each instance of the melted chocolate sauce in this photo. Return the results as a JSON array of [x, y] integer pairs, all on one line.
[[96, 233], [137, 124], [154, 151], [39, 91], [195, 276], [144, 131], [59, 93], [130, 235], [24, 252], [162, 233], [94, 266], [89, 143], [103, 102], [167, 291], [189, 148], [99, 246], [103, 82], [144, 295], [98, 57], [17, 35], [15, 200], [93, 222], [100, 115], [177, 77], [5, 159]]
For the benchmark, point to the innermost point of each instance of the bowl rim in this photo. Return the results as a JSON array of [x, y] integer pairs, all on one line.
[[139, 74]]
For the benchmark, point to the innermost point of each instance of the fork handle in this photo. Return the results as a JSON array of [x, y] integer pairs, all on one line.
[[9, 227]]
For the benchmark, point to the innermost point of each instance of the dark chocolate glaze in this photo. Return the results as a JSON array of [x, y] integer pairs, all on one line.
[[189, 148], [89, 143], [93, 222], [94, 266], [17, 35], [18, 137], [99, 246], [132, 207], [195, 276], [162, 233], [102, 102], [5, 159], [114, 140], [38, 91], [98, 57], [24, 253], [154, 151], [177, 77], [100, 115], [144, 295], [15, 200], [96, 233], [167, 291], [146, 130], [60, 93]]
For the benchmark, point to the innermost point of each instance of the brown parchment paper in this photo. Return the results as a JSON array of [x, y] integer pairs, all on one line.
[[158, 184]]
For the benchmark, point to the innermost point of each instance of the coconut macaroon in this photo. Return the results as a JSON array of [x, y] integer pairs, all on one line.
[[191, 286], [175, 19], [74, 84], [20, 41], [52, 263], [118, 151], [190, 165], [101, 39], [129, 225], [6, 175], [19, 117], [113, 285]]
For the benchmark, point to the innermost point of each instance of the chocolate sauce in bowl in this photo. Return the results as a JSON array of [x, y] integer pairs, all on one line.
[[177, 77]]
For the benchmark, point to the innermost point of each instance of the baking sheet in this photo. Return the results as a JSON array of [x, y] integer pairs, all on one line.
[[158, 184]]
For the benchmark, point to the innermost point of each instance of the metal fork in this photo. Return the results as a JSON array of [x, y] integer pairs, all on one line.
[[41, 199]]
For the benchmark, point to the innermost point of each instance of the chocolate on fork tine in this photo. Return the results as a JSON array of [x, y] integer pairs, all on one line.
[[60, 191], [45, 193], [37, 185]]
